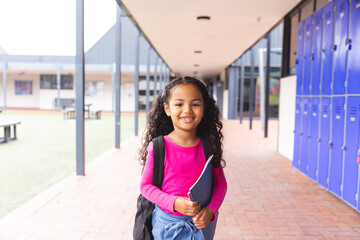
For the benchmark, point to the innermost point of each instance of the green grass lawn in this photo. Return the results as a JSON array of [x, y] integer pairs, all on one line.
[[44, 152]]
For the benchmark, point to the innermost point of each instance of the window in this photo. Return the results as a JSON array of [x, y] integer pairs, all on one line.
[[49, 82], [94, 88]]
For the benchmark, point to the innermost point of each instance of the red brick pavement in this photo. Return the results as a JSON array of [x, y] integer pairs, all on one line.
[[267, 198]]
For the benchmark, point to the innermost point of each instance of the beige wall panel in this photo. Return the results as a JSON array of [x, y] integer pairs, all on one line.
[[287, 116], [21, 101]]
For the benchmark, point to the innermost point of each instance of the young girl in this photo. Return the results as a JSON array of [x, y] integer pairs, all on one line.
[[182, 113]]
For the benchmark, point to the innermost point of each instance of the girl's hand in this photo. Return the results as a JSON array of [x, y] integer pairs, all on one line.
[[186, 206], [203, 218]]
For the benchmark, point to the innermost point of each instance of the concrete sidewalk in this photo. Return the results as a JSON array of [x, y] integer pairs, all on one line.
[[267, 198]]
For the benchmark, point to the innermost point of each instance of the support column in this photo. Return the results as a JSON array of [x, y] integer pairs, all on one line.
[[155, 76], [237, 73], [58, 86], [113, 88], [267, 87], [117, 76], [148, 84], [262, 87], [4, 84], [80, 76], [137, 54], [251, 102], [231, 88], [242, 84]]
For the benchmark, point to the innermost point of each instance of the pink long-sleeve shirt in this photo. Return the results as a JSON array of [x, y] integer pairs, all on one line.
[[183, 165]]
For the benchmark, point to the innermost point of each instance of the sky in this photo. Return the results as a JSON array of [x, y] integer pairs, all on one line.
[[48, 27]]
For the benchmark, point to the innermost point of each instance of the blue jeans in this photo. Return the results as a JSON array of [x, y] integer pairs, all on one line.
[[172, 227]]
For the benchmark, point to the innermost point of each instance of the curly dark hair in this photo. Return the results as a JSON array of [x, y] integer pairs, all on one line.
[[160, 124]]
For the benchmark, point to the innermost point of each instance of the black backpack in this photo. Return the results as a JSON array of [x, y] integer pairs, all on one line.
[[143, 218]]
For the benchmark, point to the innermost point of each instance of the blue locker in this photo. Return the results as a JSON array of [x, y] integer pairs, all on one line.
[[354, 47], [327, 53], [313, 138], [337, 136], [316, 52], [307, 55], [340, 46], [304, 134], [350, 177], [299, 58], [296, 157], [324, 139]]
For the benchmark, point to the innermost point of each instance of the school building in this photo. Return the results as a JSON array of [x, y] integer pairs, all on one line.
[[292, 61]]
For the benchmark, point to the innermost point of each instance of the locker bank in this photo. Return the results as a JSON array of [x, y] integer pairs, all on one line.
[[327, 127]]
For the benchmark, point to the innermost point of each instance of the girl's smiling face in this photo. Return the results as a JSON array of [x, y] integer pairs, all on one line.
[[185, 107]]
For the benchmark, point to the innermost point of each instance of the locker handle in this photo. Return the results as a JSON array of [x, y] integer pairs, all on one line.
[[343, 147], [348, 44], [301, 133], [330, 145], [312, 57], [334, 47], [319, 139], [309, 136]]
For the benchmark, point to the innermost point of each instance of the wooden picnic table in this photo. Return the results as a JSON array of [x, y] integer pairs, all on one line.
[[7, 131]]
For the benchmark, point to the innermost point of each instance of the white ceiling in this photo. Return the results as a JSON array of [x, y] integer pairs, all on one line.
[[173, 29]]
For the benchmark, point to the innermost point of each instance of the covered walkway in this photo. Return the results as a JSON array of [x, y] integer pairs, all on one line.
[[267, 198]]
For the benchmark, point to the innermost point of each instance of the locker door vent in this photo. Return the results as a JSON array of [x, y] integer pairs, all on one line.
[[353, 111], [338, 109], [314, 108], [325, 108], [317, 23], [328, 15], [342, 6]]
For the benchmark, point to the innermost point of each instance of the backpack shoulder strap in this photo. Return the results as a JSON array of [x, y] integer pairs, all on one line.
[[207, 146], [158, 161]]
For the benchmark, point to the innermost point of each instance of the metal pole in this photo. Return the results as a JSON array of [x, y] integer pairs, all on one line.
[[262, 87], [148, 84], [155, 76], [236, 92], [4, 84], [251, 102], [117, 76], [137, 54], [80, 77], [232, 72], [58, 85], [162, 76], [113, 88], [267, 86], [242, 88], [168, 75]]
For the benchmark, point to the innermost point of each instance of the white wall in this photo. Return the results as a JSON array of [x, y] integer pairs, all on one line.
[[287, 116], [44, 98], [20, 101], [225, 104]]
